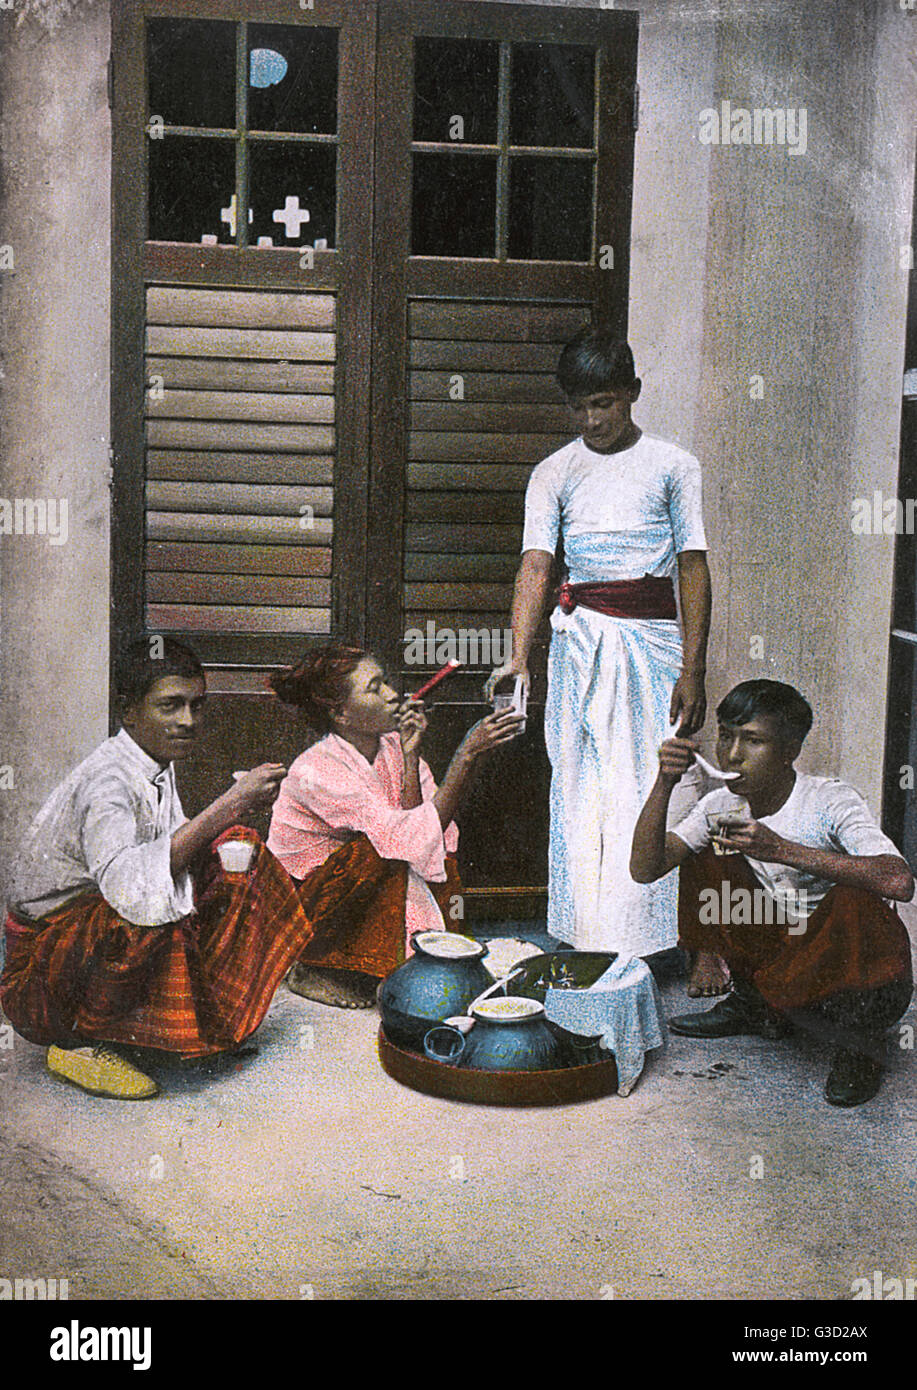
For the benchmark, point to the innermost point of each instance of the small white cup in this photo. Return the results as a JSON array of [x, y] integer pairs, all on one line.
[[235, 855], [513, 704]]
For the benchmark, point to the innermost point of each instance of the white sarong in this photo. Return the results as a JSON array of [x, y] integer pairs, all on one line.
[[610, 682]]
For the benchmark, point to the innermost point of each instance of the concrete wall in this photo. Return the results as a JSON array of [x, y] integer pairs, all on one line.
[[745, 261], [54, 410], [883, 209], [804, 287]]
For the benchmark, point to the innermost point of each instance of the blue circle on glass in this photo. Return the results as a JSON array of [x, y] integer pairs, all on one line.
[[266, 67]]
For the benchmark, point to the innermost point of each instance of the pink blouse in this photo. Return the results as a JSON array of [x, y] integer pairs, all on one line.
[[331, 793]]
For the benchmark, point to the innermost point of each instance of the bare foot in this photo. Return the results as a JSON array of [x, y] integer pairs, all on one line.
[[710, 975], [343, 989]]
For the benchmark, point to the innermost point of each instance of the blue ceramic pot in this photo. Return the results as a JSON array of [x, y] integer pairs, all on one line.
[[506, 1039], [442, 977]]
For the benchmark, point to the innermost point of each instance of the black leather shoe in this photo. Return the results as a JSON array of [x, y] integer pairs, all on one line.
[[731, 1018], [854, 1078], [727, 1019]]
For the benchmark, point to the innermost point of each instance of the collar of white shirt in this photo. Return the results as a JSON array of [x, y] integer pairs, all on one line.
[[151, 769]]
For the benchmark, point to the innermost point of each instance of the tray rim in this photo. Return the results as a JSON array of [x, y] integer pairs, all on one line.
[[474, 1085]]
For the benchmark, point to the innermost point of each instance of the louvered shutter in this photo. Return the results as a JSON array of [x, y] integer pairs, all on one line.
[[240, 440], [469, 459], [469, 341]]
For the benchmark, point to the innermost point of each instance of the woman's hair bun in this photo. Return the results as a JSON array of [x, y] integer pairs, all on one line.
[[319, 683]]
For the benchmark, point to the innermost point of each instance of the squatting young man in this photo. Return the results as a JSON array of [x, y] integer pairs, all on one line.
[[124, 929], [834, 959]]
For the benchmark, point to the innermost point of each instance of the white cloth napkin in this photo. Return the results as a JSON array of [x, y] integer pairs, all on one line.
[[624, 1007]]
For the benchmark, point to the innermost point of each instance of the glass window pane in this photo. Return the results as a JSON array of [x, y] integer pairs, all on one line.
[[552, 95], [287, 180], [191, 188], [456, 77], [293, 78], [454, 205], [192, 66], [550, 209]]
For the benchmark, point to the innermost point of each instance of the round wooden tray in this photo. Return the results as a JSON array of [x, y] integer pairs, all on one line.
[[561, 1086]]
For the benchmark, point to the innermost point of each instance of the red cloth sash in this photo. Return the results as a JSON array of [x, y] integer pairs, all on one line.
[[853, 939], [648, 597]]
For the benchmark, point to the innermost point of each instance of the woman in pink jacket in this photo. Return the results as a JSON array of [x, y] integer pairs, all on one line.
[[363, 802]]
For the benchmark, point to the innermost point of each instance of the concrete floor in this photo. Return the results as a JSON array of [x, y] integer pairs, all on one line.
[[305, 1172]]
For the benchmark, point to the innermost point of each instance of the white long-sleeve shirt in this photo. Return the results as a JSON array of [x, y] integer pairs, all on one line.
[[107, 827]]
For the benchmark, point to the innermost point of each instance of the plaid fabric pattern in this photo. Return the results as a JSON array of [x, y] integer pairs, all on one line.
[[203, 984], [196, 986], [359, 899]]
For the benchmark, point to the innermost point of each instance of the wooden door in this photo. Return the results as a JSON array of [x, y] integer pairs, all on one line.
[[504, 161], [241, 344]]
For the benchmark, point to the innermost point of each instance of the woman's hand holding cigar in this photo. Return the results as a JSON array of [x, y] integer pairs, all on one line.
[[412, 722]]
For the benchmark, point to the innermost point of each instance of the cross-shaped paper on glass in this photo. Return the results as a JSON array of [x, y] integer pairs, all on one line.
[[228, 215], [292, 216]]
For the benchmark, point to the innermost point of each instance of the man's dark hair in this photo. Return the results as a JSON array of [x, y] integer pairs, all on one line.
[[148, 660], [783, 703], [595, 360]]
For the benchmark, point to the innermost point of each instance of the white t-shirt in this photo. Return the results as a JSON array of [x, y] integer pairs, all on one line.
[[647, 499], [821, 812]]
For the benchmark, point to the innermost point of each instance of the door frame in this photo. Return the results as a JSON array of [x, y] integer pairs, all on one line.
[[899, 804], [346, 271]]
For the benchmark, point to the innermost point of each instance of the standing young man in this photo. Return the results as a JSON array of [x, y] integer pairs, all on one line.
[[793, 901], [628, 508]]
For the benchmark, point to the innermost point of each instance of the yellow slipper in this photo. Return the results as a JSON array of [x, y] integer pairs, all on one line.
[[101, 1072]]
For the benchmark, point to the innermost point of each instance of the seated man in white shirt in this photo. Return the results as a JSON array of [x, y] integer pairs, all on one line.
[[784, 876], [124, 926]]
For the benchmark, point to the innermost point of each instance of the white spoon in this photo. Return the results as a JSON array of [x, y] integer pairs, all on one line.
[[465, 1022], [714, 771], [492, 989], [708, 767]]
